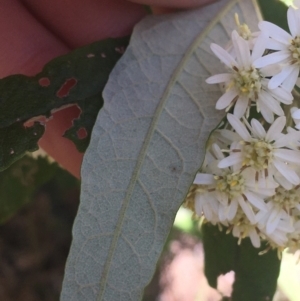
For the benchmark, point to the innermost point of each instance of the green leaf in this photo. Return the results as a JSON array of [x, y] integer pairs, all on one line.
[[147, 145], [255, 275], [83, 71], [221, 252], [90, 108], [274, 11], [20, 181], [27, 139], [76, 78]]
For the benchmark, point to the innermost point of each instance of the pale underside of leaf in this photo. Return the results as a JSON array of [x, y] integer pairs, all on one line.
[[146, 147]]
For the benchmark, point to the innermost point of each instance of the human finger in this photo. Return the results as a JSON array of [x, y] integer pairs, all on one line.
[[79, 22], [28, 46], [174, 3]]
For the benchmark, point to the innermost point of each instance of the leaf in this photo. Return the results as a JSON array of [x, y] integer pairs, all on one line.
[[274, 11], [82, 71], [255, 275], [146, 147], [76, 78], [90, 108], [220, 251], [27, 141], [20, 181]]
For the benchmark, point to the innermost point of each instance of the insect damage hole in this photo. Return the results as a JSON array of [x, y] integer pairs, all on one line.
[[81, 133], [44, 82], [66, 87]]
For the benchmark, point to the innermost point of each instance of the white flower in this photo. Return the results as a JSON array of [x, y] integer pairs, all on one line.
[[288, 55], [233, 189], [242, 228], [244, 31], [264, 151], [247, 84], [295, 112], [275, 218], [206, 205]]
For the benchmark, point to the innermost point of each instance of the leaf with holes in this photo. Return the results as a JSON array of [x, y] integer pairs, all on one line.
[[76, 78], [255, 275], [20, 181], [27, 139], [147, 145], [80, 132]]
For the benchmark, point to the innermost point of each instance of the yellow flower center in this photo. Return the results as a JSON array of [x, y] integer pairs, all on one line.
[[286, 199], [243, 29], [257, 154], [231, 184], [295, 50], [247, 82]]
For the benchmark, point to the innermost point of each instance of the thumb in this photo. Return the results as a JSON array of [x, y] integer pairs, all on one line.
[[175, 3]]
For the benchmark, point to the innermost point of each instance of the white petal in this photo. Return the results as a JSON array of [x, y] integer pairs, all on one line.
[[232, 209], [234, 158], [285, 225], [208, 212], [293, 22], [223, 55], [273, 221], [272, 58], [276, 128], [275, 45], [258, 129], [254, 237], [240, 106], [296, 114], [259, 46], [222, 213], [217, 151], [204, 179], [256, 201], [225, 100], [270, 70], [271, 103], [281, 141], [260, 217], [239, 127], [289, 174], [275, 32], [199, 202], [288, 155], [236, 231], [222, 198], [242, 50], [230, 135], [219, 78], [291, 81], [283, 181], [214, 205], [266, 113], [279, 78], [247, 209], [282, 94]]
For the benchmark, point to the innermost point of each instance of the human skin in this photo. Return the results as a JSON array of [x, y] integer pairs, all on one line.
[[32, 32]]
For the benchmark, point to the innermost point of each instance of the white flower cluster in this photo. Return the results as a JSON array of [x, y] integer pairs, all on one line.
[[250, 179]]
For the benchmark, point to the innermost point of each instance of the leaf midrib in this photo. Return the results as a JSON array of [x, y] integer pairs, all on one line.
[[149, 135]]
